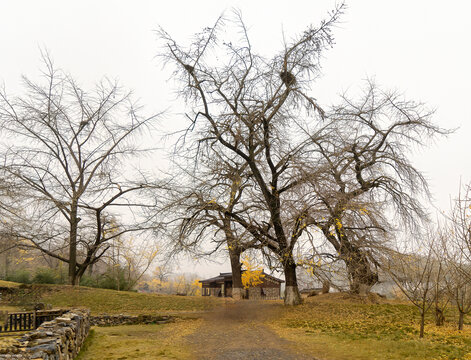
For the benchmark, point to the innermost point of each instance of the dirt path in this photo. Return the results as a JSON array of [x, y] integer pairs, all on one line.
[[237, 332]]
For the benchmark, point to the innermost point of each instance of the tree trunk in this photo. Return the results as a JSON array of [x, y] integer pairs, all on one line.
[[73, 244], [461, 321], [6, 254], [80, 272], [292, 296], [439, 316], [325, 287], [234, 254], [422, 323], [90, 270], [237, 287], [362, 277]]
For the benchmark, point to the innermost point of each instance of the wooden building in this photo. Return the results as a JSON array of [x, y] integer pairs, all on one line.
[[221, 286]]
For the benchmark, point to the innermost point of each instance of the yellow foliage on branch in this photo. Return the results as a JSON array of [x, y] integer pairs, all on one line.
[[253, 274]]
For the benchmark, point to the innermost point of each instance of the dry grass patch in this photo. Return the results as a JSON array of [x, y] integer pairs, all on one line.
[[139, 341], [335, 327], [10, 308], [9, 339]]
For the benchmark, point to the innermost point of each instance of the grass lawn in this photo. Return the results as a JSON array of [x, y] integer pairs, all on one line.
[[334, 329], [139, 341], [9, 308], [107, 301], [110, 301], [4, 283]]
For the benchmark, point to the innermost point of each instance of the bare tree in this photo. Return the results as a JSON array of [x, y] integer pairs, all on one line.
[[64, 153], [245, 107], [367, 173], [459, 253], [458, 283], [199, 208], [415, 274], [337, 171], [443, 281]]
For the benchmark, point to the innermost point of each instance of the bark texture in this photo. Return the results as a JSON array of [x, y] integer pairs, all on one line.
[[292, 295]]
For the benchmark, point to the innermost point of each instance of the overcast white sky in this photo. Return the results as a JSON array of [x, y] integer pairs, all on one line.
[[419, 47]]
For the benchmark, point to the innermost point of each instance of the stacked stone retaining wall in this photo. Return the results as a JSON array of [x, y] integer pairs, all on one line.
[[62, 338], [114, 320], [59, 339]]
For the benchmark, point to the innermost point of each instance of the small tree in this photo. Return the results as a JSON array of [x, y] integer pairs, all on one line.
[[415, 273], [459, 287], [443, 276], [253, 274], [459, 253]]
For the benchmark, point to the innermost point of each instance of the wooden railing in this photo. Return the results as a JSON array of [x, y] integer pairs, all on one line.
[[24, 321]]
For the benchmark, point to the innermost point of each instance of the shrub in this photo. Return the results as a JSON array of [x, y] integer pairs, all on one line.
[[46, 276], [115, 279], [90, 281], [20, 276], [109, 280]]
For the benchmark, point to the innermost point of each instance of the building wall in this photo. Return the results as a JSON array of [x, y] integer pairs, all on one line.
[[254, 293], [258, 293], [211, 291], [269, 289], [272, 293]]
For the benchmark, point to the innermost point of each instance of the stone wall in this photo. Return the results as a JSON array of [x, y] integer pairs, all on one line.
[[257, 293], [114, 320], [272, 293], [59, 339]]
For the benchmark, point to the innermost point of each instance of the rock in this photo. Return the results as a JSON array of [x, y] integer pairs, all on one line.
[[40, 306]]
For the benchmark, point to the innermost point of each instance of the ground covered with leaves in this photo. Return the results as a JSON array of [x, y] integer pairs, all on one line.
[[235, 331], [331, 326], [338, 326]]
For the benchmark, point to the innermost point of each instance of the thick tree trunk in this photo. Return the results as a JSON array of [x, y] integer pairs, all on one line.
[[90, 270], [292, 296], [80, 272], [461, 321], [237, 287], [234, 254], [72, 255], [422, 324], [362, 277], [73, 245], [7, 263]]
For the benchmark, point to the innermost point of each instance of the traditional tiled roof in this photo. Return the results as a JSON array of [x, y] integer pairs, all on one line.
[[228, 276], [219, 278], [273, 278]]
